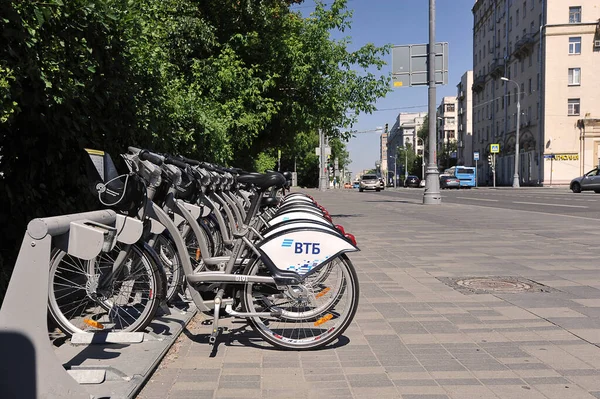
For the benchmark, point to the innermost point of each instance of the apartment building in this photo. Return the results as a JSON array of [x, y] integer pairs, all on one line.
[[464, 120], [546, 48], [447, 126]]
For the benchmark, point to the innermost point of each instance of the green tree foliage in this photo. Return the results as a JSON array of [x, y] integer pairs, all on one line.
[[339, 152], [423, 134], [228, 81]]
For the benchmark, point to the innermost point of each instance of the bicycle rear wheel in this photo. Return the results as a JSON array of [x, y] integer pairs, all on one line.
[[88, 296], [313, 314]]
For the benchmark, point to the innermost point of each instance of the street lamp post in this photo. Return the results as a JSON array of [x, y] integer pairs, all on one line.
[[515, 183]]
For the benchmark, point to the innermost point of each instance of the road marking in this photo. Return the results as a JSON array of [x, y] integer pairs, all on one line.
[[478, 199], [539, 203]]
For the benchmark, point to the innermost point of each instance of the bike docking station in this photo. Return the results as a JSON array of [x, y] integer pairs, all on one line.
[[91, 365]]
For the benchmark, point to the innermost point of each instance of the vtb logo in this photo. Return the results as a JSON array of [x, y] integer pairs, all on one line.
[[302, 247], [307, 248]]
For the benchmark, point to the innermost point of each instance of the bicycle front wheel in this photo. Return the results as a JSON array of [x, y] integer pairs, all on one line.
[[169, 257], [311, 314], [92, 296]]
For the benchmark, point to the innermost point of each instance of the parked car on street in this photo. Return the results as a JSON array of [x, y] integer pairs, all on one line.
[[449, 182], [347, 185], [589, 181], [412, 181], [356, 184], [369, 182]]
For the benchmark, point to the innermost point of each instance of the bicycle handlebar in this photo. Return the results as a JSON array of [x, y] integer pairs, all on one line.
[[189, 161], [176, 162], [146, 155]]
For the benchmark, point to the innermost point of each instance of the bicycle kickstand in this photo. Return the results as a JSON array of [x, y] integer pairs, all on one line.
[[215, 331]]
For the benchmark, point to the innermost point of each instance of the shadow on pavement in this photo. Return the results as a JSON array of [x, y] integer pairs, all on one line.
[[244, 335]]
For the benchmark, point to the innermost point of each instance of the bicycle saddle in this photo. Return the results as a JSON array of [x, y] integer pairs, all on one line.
[[263, 181]]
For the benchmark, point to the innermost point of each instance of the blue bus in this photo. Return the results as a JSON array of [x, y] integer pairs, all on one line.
[[466, 175]]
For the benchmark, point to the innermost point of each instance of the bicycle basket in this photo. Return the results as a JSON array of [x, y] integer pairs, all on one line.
[[122, 192]]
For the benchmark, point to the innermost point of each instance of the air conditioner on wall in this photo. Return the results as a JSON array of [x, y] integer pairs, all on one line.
[[596, 43]]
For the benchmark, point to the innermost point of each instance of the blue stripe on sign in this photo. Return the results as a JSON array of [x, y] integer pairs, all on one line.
[[287, 242]]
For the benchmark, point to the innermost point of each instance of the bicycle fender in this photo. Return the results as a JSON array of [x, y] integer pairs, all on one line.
[[304, 249], [277, 228], [296, 215]]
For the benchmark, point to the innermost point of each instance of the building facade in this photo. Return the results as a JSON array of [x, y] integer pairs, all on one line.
[[546, 49], [447, 126], [464, 120], [383, 139], [404, 130]]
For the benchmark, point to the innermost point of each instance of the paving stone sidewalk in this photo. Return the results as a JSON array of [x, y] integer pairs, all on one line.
[[414, 335]]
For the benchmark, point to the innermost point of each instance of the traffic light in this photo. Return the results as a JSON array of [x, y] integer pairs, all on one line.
[[386, 128], [490, 159]]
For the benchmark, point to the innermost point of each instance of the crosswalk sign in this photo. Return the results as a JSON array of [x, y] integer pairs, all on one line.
[[494, 148]]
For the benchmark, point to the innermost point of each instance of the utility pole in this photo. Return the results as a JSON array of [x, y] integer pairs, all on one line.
[[432, 195], [322, 162]]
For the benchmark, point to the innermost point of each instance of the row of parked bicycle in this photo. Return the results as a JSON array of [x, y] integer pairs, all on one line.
[[230, 240]]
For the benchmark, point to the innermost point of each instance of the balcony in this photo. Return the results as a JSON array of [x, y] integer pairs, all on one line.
[[497, 67], [461, 95], [478, 84], [523, 46]]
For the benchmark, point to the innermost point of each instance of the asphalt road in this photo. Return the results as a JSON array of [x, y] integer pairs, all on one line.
[[556, 201]]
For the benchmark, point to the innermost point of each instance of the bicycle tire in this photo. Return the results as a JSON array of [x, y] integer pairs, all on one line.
[[127, 302], [169, 258], [308, 323]]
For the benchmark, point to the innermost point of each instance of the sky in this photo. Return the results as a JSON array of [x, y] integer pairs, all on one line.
[[401, 22]]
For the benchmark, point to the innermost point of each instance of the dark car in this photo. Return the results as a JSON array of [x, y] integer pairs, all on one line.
[[412, 181], [449, 182]]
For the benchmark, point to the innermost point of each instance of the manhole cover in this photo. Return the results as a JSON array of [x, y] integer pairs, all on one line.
[[495, 285]]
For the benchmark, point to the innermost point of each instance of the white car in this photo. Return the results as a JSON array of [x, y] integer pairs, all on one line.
[[369, 182]]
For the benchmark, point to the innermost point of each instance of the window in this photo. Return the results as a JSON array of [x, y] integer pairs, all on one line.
[[530, 59], [450, 108], [575, 15], [517, 23], [575, 45], [532, 27], [573, 107], [522, 65], [510, 24], [524, 9], [530, 87], [574, 76], [537, 107]]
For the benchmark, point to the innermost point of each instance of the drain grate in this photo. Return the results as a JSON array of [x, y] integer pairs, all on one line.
[[495, 285]]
